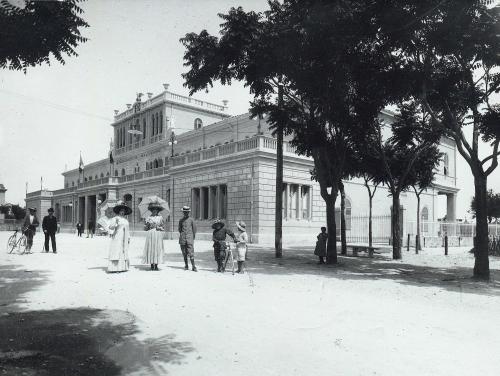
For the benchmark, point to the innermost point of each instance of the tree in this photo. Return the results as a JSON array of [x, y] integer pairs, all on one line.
[[452, 51], [16, 211], [30, 35], [324, 55], [492, 204], [410, 149]]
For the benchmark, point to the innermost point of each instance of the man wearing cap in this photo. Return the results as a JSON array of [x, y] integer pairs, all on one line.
[[29, 227], [49, 227], [187, 234]]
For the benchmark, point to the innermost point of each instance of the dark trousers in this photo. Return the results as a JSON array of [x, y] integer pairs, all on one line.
[[53, 240]]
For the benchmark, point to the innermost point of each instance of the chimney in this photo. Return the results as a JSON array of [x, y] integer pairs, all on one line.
[[166, 86], [150, 95]]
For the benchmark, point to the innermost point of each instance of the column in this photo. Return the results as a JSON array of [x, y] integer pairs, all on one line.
[[286, 201], [299, 201], [86, 213], [451, 201]]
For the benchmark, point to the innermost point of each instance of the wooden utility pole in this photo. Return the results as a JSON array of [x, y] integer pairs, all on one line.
[[278, 222]]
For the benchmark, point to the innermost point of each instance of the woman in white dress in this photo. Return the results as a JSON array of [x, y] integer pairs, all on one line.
[[153, 248], [120, 240], [241, 245]]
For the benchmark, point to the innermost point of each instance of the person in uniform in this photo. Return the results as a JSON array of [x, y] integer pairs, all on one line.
[[29, 228], [187, 234], [49, 227], [219, 237]]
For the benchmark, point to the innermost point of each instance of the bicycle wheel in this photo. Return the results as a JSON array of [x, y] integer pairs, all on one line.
[[21, 245], [11, 243]]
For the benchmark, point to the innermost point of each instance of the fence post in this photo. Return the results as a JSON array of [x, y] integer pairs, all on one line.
[[446, 245], [408, 244], [459, 238], [424, 241]]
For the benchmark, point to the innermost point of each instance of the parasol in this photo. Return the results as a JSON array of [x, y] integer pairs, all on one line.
[[145, 212]]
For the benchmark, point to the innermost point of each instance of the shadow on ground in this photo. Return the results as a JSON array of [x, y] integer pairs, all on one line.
[[300, 260], [81, 341]]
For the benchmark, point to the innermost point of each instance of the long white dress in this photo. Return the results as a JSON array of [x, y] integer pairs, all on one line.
[[118, 248], [153, 247], [241, 246]]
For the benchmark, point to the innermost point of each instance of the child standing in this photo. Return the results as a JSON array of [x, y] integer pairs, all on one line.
[[320, 249]]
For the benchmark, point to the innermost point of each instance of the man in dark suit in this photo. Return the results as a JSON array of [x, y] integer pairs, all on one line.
[[91, 229], [79, 228], [49, 226], [29, 227]]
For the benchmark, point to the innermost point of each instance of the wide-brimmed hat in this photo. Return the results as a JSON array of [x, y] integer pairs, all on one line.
[[120, 207], [217, 224], [32, 209], [186, 209], [154, 206], [241, 225], [51, 210]]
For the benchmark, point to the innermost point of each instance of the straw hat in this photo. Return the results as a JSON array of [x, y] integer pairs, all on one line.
[[241, 225], [186, 209]]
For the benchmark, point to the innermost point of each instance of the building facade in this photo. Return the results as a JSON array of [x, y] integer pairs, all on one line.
[[191, 152]]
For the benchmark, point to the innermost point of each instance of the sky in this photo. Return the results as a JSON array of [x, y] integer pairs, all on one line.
[[53, 113]]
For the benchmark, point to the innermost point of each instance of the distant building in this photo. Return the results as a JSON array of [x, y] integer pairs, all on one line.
[[2, 194], [223, 167]]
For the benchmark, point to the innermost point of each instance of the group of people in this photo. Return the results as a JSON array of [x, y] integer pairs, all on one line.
[[154, 251], [90, 229], [49, 226]]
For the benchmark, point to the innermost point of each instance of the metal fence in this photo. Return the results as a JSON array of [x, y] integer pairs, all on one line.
[[357, 229]]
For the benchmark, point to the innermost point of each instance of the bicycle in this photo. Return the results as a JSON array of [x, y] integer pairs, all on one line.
[[17, 244], [230, 255]]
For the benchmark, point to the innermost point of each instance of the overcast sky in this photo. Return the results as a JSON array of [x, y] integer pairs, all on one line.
[[53, 112]]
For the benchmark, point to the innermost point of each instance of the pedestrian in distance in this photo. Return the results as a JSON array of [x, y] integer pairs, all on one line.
[[187, 234], [29, 228], [241, 245], [320, 249], [120, 240], [79, 229], [220, 245], [153, 247], [91, 229], [49, 227]]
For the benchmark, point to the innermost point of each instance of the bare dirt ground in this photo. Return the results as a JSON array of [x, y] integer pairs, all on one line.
[[62, 314]]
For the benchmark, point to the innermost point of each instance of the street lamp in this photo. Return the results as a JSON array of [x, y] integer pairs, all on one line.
[[171, 143]]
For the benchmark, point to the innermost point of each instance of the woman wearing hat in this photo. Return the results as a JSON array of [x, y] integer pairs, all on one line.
[[153, 248], [241, 244], [120, 239]]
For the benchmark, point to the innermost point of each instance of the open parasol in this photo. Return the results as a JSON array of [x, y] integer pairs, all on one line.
[[157, 201], [105, 214]]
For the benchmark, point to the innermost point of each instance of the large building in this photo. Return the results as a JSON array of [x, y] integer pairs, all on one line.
[[191, 152]]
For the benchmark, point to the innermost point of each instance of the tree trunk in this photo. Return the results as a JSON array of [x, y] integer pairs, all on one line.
[[417, 245], [481, 264], [343, 240], [331, 249], [370, 230], [396, 228], [278, 218]]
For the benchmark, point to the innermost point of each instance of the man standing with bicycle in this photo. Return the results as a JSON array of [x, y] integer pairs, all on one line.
[[220, 244], [29, 228], [49, 226]]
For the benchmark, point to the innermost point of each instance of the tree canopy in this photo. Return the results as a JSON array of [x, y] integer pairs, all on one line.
[[493, 206], [29, 36]]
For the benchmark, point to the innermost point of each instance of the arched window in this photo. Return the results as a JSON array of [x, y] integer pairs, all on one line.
[[107, 173], [156, 163], [66, 185], [90, 177], [86, 179], [143, 128], [348, 211], [123, 172], [116, 172], [161, 122], [160, 162], [446, 163], [152, 125], [102, 175], [198, 123], [424, 218], [72, 183], [96, 177]]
